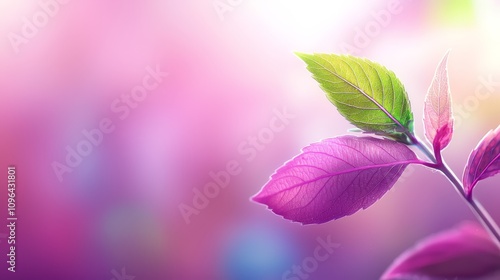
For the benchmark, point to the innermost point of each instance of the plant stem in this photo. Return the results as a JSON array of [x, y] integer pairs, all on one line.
[[475, 206], [478, 210], [422, 147]]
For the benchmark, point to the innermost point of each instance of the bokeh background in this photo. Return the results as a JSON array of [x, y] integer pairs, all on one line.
[[230, 65]]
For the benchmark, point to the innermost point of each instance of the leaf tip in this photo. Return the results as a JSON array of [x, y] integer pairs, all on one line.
[[258, 198], [303, 56], [447, 53]]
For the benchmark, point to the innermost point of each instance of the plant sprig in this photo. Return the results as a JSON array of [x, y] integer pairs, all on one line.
[[339, 176]]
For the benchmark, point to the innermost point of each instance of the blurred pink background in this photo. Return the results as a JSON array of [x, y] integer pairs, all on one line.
[[230, 64]]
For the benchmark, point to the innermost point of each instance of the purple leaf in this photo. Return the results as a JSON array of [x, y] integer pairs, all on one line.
[[484, 161], [437, 108], [466, 252], [335, 178]]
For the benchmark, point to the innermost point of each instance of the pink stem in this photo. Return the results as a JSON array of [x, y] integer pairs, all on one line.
[[481, 214]]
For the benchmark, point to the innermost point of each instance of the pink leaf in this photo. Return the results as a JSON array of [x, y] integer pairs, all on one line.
[[484, 161], [466, 252], [334, 178], [437, 108]]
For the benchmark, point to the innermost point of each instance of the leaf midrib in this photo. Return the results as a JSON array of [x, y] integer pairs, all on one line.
[[405, 130], [477, 178], [357, 169]]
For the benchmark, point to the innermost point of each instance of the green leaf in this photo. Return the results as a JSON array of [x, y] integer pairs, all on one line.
[[366, 93]]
